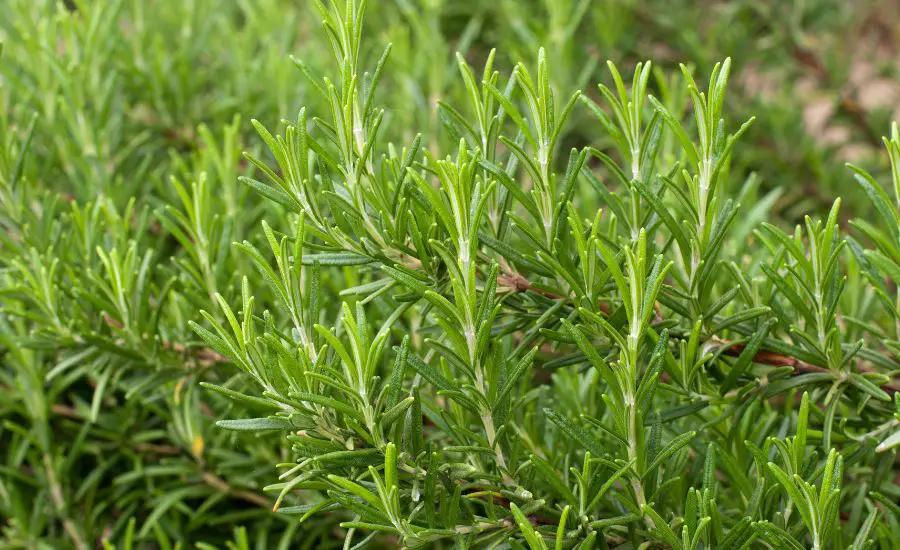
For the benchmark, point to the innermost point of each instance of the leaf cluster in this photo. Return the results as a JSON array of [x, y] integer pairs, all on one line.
[[520, 315]]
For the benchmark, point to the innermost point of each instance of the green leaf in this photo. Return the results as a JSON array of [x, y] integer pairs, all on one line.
[[738, 318], [521, 367], [661, 529], [861, 383], [673, 447], [254, 424], [739, 536], [338, 406], [336, 258], [889, 442], [394, 413], [546, 471], [274, 194], [776, 536], [429, 373], [357, 490], [532, 537], [250, 401], [575, 433]]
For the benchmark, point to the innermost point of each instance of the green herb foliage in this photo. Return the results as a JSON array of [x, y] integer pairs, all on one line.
[[491, 312]]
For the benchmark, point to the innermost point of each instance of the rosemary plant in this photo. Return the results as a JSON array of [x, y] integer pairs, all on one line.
[[504, 313], [485, 273]]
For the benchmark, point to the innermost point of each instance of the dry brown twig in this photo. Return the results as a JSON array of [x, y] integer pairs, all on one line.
[[774, 359]]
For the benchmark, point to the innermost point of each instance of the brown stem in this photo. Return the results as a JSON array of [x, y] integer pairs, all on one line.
[[203, 354], [534, 519], [518, 283], [771, 358]]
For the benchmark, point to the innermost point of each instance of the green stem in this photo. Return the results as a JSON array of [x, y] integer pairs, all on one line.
[[636, 484]]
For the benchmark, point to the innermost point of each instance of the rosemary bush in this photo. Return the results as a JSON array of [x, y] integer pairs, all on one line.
[[450, 302]]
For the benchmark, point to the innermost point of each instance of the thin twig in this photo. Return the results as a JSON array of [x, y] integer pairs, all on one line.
[[204, 354], [774, 359], [518, 283]]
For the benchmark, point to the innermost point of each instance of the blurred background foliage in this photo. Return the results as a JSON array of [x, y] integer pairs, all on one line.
[[130, 106]]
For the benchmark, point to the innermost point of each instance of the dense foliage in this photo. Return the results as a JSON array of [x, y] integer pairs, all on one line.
[[450, 301]]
